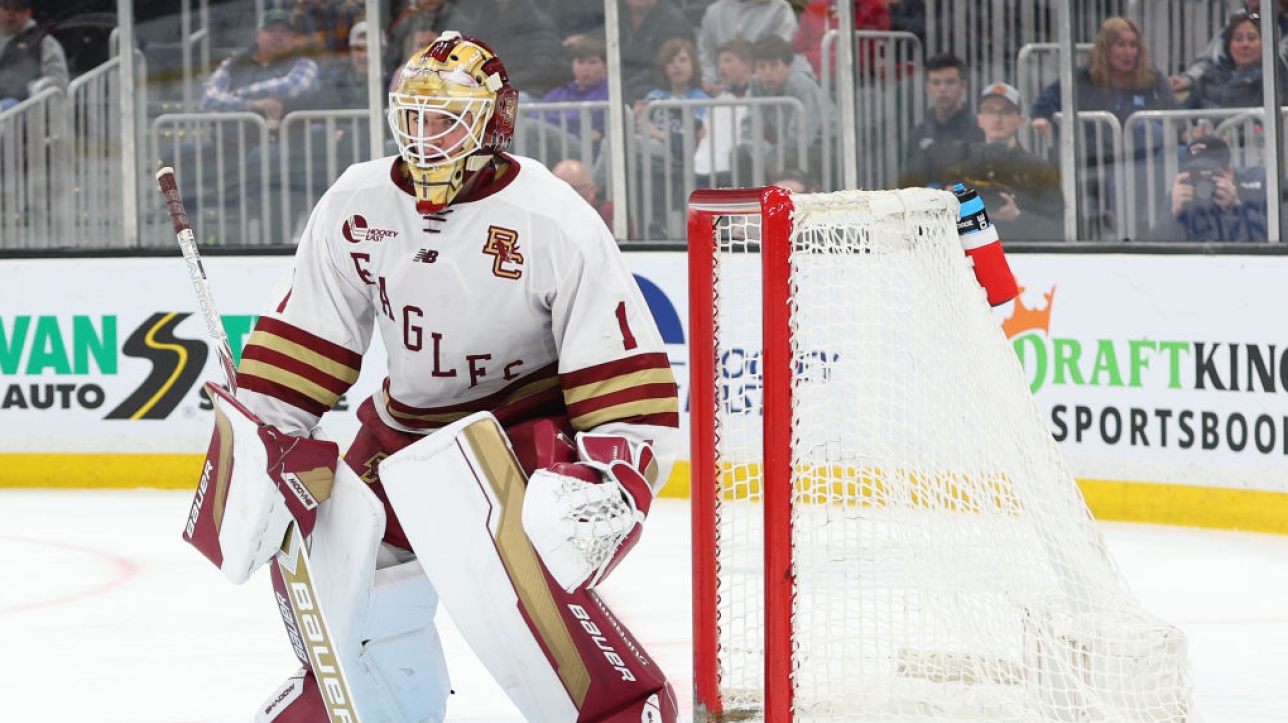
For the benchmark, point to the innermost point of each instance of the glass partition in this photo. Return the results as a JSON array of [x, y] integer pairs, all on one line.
[[956, 92]]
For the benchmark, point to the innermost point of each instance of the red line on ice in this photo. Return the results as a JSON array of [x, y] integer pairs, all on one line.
[[125, 569]]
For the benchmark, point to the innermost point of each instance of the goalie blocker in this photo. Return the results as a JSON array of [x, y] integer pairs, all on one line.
[[238, 518]]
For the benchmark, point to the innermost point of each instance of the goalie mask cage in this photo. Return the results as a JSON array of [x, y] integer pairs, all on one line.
[[884, 528]]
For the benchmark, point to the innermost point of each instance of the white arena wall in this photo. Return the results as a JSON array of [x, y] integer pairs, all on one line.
[[1164, 378]]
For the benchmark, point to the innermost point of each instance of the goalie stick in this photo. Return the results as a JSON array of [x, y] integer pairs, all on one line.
[[309, 621]]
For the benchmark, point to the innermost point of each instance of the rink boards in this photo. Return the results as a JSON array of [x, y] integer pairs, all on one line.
[[1163, 378]]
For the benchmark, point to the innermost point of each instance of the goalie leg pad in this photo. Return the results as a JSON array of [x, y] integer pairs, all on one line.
[[380, 612], [561, 657]]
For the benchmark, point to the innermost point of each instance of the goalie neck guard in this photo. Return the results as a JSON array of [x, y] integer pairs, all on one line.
[[452, 109]]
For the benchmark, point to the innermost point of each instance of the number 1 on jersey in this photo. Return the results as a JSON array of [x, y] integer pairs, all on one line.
[[628, 339]]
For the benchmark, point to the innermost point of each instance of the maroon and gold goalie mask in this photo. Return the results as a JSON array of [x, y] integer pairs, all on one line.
[[452, 109]]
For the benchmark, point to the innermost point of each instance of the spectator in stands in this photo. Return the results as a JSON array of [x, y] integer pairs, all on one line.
[[1234, 79], [1211, 200], [796, 181], [574, 18], [576, 174], [30, 58], [272, 78], [943, 138], [269, 78], [517, 29], [416, 15], [713, 158], [1020, 189], [589, 83], [1119, 78], [344, 86], [662, 131], [324, 25], [784, 129], [820, 16], [725, 20], [344, 80], [645, 26], [908, 16], [1216, 49], [422, 34]]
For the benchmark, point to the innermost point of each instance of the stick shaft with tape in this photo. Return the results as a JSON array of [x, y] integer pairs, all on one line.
[[293, 559], [197, 273]]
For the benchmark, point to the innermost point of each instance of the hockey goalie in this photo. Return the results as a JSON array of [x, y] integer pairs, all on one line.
[[506, 465]]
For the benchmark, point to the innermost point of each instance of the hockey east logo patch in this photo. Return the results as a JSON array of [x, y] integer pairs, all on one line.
[[356, 229]]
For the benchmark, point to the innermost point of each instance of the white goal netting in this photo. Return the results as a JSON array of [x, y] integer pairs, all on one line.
[[946, 566]]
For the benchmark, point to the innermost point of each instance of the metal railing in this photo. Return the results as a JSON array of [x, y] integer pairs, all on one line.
[[662, 170], [61, 182], [35, 166], [889, 102], [1239, 127]]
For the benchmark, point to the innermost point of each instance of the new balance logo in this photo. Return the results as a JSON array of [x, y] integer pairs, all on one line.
[[425, 256]]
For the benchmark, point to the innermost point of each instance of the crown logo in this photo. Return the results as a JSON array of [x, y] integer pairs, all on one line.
[[1024, 319]]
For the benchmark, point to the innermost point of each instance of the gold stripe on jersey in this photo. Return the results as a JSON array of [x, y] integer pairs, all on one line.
[[640, 378], [441, 416], [346, 374], [628, 410], [290, 380]]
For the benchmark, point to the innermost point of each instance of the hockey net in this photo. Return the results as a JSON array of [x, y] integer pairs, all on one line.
[[884, 528]]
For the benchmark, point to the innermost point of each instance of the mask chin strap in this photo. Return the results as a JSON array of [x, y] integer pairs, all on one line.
[[433, 196]]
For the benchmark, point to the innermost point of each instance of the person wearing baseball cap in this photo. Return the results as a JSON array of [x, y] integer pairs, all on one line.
[[30, 58], [1000, 114], [1021, 190], [358, 35], [279, 16], [269, 77], [1211, 199]]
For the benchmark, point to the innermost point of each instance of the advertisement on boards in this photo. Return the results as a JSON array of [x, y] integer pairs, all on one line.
[[1159, 368], [1146, 368]]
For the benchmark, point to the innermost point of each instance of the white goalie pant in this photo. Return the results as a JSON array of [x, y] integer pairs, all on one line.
[[399, 675]]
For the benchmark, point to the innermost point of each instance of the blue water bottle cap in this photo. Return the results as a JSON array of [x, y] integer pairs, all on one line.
[[958, 188]]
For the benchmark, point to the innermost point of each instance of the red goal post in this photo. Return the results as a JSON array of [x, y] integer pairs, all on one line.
[[883, 528]]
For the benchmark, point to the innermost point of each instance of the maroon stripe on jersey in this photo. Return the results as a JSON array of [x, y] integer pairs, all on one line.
[[639, 389], [542, 404], [291, 365], [279, 391], [548, 403], [313, 342], [536, 393], [608, 370], [636, 393]]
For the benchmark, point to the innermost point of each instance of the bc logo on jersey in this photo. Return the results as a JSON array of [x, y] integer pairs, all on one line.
[[504, 245]]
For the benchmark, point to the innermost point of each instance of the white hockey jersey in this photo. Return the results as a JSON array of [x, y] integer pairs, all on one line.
[[518, 302]]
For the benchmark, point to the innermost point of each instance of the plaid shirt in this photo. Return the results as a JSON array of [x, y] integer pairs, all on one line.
[[240, 79], [326, 24]]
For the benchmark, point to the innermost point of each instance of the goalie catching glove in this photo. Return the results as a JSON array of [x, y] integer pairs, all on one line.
[[583, 517]]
